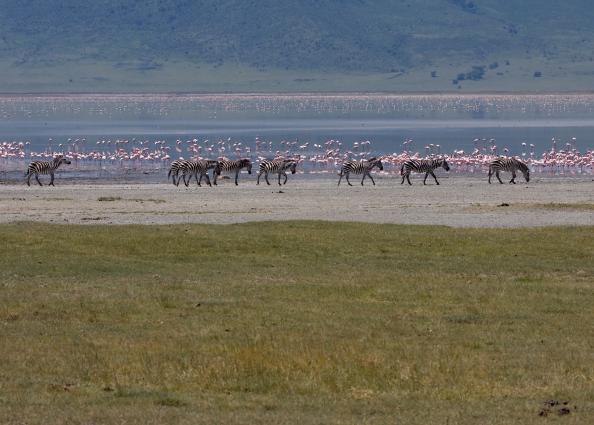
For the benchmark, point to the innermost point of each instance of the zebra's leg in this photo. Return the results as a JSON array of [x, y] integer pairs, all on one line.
[[490, 174], [403, 177], [497, 175], [266, 178], [51, 183], [187, 183], [207, 178], [347, 177], [408, 179], [433, 174], [259, 174], [364, 175], [28, 179], [425, 179], [198, 180], [285, 174], [513, 179], [37, 178], [236, 177], [340, 177], [372, 181]]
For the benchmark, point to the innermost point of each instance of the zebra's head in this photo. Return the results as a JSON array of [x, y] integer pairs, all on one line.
[[525, 171], [247, 164], [445, 165], [376, 162], [58, 160], [292, 166]]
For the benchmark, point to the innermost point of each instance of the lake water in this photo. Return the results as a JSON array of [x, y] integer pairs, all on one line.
[[451, 121]]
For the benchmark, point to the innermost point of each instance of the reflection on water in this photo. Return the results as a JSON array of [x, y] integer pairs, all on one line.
[[391, 122]]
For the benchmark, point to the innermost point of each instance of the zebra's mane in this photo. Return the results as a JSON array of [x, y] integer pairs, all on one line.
[[521, 165]]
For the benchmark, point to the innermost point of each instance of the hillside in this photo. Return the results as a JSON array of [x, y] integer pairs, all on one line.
[[185, 45]]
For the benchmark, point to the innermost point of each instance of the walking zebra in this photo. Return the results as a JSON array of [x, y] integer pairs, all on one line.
[[233, 166], [508, 164], [279, 166], [176, 166], [199, 167], [363, 166], [45, 167], [422, 166]]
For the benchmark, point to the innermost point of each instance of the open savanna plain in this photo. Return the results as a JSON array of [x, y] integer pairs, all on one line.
[[303, 322]]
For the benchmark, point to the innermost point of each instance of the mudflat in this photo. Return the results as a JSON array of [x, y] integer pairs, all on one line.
[[459, 201]]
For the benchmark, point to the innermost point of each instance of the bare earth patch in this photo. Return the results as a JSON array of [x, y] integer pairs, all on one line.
[[459, 202]]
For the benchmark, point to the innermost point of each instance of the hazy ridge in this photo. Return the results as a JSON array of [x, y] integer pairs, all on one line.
[[209, 45]]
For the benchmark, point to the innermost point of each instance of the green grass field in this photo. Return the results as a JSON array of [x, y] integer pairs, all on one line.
[[295, 322]]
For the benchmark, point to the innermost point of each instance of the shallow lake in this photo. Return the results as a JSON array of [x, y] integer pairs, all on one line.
[[389, 122]]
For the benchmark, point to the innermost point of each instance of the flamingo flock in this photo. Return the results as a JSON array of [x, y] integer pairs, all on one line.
[[327, 157]]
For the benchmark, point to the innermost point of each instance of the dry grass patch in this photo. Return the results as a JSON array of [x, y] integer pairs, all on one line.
[[504, 206], [294, 322]]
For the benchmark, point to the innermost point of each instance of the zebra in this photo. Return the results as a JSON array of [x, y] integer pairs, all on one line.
[[508, 164], [199, 167], [279, 166], [45, 167], [363, 166], [422, 166], [176, 166], [233, 166]]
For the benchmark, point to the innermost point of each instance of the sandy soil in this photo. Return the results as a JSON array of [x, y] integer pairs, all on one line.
[[459, 201]]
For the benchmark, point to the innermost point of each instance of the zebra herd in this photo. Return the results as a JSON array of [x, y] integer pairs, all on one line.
[[199, 169]]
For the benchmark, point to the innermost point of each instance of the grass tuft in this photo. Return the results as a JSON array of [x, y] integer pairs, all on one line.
[[109, 198]]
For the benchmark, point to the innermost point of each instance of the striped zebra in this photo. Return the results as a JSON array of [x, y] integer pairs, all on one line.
[[45, 167], [279, 166], [422, 166], [363, 166], [176, 166], [233, 166], [194, 168], [508, 164]]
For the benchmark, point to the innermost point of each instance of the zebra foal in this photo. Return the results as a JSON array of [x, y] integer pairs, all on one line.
[[363, 166], [233, 166], [45, 167], [279, 166], [422, 166], [508, 164]]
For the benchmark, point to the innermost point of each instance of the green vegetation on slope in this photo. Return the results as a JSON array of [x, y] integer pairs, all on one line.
[[294, 322], [175, 45]]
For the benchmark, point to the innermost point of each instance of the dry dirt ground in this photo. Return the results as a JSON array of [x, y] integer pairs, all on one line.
[[459, 201]]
